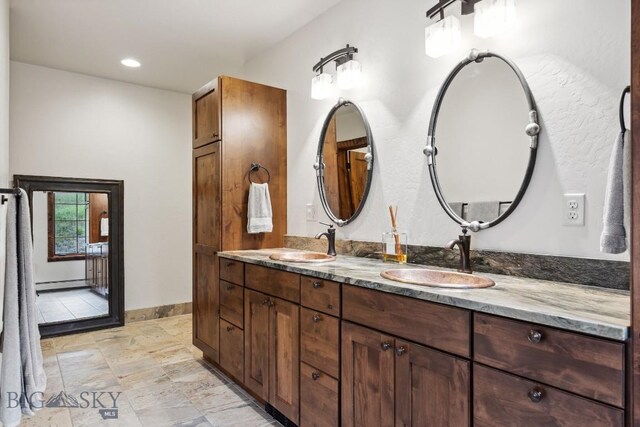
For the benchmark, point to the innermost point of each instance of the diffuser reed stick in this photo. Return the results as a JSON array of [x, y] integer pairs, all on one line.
[[394, 226]]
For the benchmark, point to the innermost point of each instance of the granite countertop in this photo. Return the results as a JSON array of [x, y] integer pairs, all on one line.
[[596, 311]]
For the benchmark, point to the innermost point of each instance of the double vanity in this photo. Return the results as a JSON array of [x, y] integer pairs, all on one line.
[[358, 342], [327, 344]]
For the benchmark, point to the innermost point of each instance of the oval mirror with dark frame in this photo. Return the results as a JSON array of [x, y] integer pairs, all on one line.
[[487, 137], [78, 246], [344, 162]]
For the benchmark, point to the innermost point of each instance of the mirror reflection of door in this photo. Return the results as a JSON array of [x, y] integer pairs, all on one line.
[[71, 255], [345, 172]]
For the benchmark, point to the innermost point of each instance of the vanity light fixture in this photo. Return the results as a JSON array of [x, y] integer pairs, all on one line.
[[493, 17], [321, 86], [348, 70], [442, 37], [130, 62]]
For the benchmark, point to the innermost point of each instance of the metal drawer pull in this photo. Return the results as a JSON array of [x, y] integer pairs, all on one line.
[[401, 350], [385, 346], [316, 318], [315, 375], [535, 336], [535, 394], [317, 285], [266, 301], [271, 303], [229, 328]]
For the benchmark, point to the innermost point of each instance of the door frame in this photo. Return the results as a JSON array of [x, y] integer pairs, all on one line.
[[115, 191]]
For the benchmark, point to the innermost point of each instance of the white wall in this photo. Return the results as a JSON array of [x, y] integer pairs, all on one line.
[[67, 124], [4, 93], [45, 271], [575, 57]]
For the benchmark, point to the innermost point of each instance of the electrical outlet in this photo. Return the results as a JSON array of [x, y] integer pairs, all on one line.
[[312, 212], [573, 209]]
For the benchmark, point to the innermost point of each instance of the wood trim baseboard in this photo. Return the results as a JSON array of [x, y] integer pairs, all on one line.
[[157, 312]]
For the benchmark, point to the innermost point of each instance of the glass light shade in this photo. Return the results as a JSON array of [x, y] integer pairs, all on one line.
[[442, 37], [492, 17], [349, 74], [321, 86]]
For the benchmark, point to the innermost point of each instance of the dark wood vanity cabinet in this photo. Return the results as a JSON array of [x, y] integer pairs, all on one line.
[[328, 354], [225, 144], [271, 351], [501, 399], [387, 381]]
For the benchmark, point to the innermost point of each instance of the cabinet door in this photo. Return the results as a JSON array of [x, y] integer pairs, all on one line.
[[367, 377], [432, 388], [284, 390], [206, 115], [206, 243], [205, 305], [256, 343]]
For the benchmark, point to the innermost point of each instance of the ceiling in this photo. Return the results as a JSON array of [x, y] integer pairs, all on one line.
[[181, 44]]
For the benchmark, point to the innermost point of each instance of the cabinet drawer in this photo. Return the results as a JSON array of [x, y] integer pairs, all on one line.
[[588, 366], [320, 341], [435, 325], [232, 271], [231, 349], [273, 282], [318, 398], [501, 399], [321, 295], [232, 303]]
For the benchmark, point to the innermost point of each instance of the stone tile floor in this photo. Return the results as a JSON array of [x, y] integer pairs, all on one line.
[[59, 306], [161, 376]]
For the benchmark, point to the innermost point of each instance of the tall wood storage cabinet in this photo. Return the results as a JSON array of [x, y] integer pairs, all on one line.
[[235, 123]]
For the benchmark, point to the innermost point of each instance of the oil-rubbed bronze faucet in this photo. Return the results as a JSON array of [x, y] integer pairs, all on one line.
[[464, 245], [331, 238]]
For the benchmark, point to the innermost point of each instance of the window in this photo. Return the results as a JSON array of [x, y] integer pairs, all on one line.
[[67, 226]]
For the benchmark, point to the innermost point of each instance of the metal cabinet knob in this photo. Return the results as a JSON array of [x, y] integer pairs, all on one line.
[[266, 301], [535, 394], [316, 318], [230, 287], [535, 336], [229, 328], [385, 346], [271, 303], [401, 350], [315, 375], [317, 285]]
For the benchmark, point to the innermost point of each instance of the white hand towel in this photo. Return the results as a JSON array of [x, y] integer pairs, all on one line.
[[617, 213], [259, 215], [104, 227]]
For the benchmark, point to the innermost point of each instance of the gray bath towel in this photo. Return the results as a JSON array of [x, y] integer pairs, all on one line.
[[616, 216], [22, 370], [483, 211], [35, 380], [259, 215]]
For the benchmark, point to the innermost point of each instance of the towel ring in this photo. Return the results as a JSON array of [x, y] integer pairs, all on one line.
[[256, 167], [623, 126]]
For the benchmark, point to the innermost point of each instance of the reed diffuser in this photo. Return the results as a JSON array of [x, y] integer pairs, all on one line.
[[394, 243]]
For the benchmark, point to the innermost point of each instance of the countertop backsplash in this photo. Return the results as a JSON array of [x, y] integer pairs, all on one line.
[[583, 271]]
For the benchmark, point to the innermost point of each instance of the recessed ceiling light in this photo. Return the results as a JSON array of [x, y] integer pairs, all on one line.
[[130, 62]]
